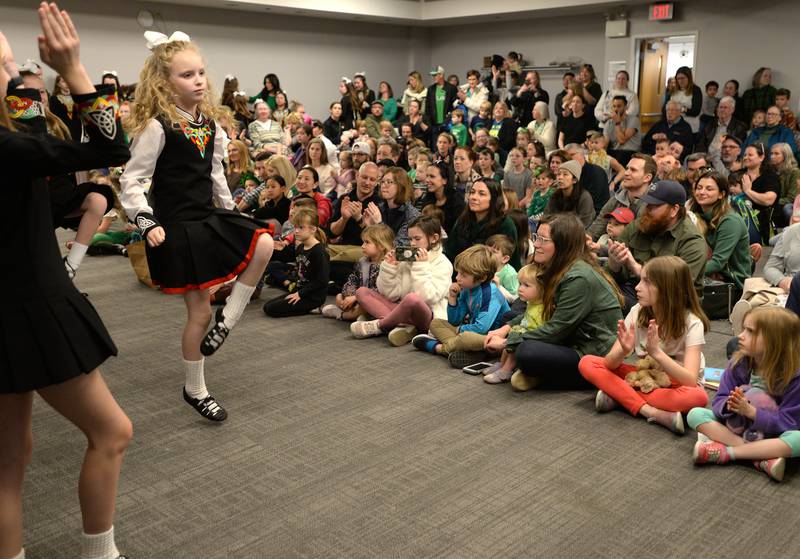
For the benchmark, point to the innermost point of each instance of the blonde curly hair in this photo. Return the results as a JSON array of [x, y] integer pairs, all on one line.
[[154, 91]]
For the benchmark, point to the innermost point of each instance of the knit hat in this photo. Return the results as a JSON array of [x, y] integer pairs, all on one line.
[[573, 167]]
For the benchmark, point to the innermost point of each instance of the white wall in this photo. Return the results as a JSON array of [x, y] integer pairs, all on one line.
[[309, 55], [734, 39], [540, 40]]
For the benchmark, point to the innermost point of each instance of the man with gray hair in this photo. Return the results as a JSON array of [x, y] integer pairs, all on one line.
[[672, 127], [593, 178], [715, 132]]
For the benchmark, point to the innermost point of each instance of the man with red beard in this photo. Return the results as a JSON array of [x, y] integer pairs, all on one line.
[[662, 230]]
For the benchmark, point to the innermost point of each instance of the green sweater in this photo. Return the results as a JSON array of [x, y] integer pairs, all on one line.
[[585, 318], [789, 186], [389, 109], [464, 236], [730, 249], [683, 240]]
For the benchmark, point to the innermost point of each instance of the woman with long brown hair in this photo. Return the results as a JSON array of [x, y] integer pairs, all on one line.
[[581, 308]]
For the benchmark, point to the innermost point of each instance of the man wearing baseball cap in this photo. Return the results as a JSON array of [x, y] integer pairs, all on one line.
[[438, 102], [662, 230], [361, 153], [374, 119]]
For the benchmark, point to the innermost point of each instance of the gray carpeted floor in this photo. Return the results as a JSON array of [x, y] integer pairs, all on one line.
[[337, 447]]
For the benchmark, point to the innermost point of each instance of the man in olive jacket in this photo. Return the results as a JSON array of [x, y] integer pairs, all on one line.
[[663, 230]]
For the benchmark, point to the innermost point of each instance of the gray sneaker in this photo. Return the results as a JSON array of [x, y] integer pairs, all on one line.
[[459, 359], [603, 402], [332, 311], [366, 329]]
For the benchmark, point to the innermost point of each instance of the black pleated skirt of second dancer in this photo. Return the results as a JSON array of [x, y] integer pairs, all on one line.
[[47, 340], [201, 254], [66, 199]]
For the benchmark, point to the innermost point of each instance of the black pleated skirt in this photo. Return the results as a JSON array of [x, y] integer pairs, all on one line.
[[201, 254], [50, 339]]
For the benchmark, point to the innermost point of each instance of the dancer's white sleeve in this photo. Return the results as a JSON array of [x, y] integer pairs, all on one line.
[[221, 191], [145, 151]]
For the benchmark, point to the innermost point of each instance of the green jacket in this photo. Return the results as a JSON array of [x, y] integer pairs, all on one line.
[[730, 249], [462, 237], [683, 241], [789, 186], [585, 317]]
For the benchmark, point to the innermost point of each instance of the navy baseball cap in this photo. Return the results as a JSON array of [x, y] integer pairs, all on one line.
[[665, 192]]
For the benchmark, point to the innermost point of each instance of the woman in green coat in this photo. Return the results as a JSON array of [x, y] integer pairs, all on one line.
[[581, 308], [726, 232]]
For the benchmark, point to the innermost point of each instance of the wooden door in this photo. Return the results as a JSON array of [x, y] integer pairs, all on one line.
[[652, 80]]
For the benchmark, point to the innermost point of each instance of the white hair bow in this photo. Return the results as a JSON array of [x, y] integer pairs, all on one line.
[[345, 79], [110, 73], [240, 94], [362, 74], [154, 38], [230, 78], [30, 66]]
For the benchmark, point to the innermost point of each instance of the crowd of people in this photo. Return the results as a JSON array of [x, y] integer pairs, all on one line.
[[535, 244]]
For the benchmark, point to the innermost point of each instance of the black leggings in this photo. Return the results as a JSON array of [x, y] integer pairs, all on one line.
[[279, 307], [555, 365]]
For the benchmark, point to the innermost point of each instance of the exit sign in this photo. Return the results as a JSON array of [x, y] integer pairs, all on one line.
[[662, 11]]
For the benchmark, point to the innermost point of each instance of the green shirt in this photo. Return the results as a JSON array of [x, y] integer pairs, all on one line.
[[683, 241], [585, 318], [460, 133], [508, 279], [440, 97], [539, 202]]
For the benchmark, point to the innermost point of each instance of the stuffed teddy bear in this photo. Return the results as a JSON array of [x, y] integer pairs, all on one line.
[[647, 376]]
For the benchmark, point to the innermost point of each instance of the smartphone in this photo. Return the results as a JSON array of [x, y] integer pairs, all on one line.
[[405, 253], [476, 368]]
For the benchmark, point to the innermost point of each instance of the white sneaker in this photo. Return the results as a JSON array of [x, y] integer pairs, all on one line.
[[332, 311], [366, 329]]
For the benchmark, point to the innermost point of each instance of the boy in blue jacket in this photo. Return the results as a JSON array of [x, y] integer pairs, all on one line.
[[474, 306]]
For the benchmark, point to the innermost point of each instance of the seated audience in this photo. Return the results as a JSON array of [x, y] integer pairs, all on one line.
[[783, 263], [761, 184], [772, 132], [416, 90], [593, 180], [604, 108], [442, 194], [623, 131], [317, 159], [717, 129], [543, 129], [577, 124], [760, 96], [782, 159], [688, 96], [525, 98]]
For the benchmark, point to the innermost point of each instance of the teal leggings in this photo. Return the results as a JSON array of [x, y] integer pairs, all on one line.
[[698, 416]]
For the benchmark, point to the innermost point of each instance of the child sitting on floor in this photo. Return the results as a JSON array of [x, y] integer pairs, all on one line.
[[760, 390], [377, 241], [505, 277], [313, 269], [474, 306]]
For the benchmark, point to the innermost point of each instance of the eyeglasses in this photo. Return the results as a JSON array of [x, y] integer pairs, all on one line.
[[388, 181], [540, 239]]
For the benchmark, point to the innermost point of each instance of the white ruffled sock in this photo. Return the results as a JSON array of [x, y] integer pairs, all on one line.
[[237, 301], [195, 379], [99, 546], [76, 254]]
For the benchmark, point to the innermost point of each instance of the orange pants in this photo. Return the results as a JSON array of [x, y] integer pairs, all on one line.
[[675, 398]]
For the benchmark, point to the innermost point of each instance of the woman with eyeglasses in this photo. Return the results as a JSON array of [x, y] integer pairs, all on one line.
[[760, 183], [726, 232], [483, 217], [582, 305], [396, 208]]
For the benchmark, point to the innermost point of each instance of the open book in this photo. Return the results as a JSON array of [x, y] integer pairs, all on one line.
[[711, 377]]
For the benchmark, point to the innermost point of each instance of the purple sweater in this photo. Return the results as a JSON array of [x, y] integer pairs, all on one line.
[[787, 416]]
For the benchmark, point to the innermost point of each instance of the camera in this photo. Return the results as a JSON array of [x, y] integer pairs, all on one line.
[[405, 253]]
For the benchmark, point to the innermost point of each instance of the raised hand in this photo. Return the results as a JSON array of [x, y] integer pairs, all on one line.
[[59, 48], [653, 339], [626, 336]]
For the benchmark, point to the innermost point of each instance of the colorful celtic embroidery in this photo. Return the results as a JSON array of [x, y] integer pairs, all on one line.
[[102, 113], [22, 108], [198, 136]]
